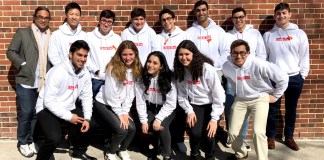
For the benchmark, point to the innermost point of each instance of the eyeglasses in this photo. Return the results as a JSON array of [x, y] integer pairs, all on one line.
[[109, 22], [239, 18], [40, 18], [242, 54], [166, 19]]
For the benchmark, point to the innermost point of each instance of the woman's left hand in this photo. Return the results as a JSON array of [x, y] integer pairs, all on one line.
[[157, 125]]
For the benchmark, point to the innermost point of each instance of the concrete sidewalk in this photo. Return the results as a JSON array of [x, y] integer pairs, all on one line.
[[309, 150]]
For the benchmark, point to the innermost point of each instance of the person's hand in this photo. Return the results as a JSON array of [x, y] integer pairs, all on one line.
[[76, 119], [145, 128], [157, 125], [191, 119], [85, 126], [211, 128], [123, 121], [272, 99]]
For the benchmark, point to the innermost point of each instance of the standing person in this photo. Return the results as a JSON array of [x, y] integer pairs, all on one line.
[[156, 100], [103, 43], [141, 34], [244, 31], [28, 53], [115, 97], [65, 83], [200, 94], [287, 46], [67, 33], [209, 38], [169, 39], [251, 77]]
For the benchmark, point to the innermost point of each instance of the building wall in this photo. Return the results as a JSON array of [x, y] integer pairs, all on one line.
[[308, 14]]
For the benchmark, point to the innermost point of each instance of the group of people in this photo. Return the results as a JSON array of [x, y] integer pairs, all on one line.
[[175, 77]]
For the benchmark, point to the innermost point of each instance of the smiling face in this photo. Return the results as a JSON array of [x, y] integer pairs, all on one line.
[[153, 65], [239, 55], [239, 21], [185, 56], [201, 14], [138, 23], [73, 18], [282, 18], [78, 58], [167, 22], [128, 57], [105, 25], [41, 20]]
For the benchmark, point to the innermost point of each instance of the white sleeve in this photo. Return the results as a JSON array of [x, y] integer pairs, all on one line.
[[260, 48], [111, 94], [169, 105], [303, 52], [126, 106], [154, 41], [224, 48], [183, 97], [86, 97], [54, 49], [140, 103], [265, 40]]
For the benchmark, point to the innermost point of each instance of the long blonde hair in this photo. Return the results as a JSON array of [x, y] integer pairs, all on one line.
[[117, 67]]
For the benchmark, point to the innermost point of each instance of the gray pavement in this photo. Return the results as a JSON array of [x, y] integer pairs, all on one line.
[[309, 150]]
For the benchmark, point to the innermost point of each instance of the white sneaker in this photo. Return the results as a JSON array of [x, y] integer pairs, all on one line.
[[34, 147], [182, 147], [248, 147], [25, 151], [123, 155], [110, 156], [228, 143]]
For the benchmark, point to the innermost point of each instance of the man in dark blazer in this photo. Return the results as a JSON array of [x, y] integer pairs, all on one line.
[[28, 53]]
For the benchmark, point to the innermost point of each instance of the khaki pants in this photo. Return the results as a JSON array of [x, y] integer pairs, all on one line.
[[241, 109]]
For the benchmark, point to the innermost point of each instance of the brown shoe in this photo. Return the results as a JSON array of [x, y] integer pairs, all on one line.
[[271, 143], [291, 144]]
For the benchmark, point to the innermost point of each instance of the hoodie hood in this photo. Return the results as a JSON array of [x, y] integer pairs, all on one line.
[[240, 35], [100, 36], [291, 26], [66, 29], [132, 29], [211, 24], [68, 66], [176, 32], [247, 64]]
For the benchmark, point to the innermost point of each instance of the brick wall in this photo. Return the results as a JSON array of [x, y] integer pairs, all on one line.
[[308, 14]]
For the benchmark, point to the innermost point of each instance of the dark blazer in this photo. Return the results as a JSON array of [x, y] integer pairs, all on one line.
[[23, 48]]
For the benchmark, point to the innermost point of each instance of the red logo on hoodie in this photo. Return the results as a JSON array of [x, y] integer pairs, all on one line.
[[284, 38], [243, 78], [73, 87], [107, 48], [154, 90], [128, 83], [194, 82], [138, 44]]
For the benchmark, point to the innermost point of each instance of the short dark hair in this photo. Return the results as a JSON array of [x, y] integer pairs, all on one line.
[[107, 14], [199, 3], [240, 42], [282, 6], [72, 5], [79, 44], [136, 12], [168, 11], [238, 9], [41, 8]]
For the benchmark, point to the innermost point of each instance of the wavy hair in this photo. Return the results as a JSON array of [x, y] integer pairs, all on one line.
[[196, 64], [117, 67], [164, 77]]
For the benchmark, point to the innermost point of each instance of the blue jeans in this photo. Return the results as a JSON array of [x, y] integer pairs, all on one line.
[[228, 105], [292, 93], [96, 85], [26, 101]]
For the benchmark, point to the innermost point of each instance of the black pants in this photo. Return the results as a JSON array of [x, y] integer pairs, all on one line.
[[203, 117], [162, 135], [120, 136], [51, 126], [178, 126]]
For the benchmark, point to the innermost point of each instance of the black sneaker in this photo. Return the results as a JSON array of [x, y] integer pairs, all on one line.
[[83, 157]]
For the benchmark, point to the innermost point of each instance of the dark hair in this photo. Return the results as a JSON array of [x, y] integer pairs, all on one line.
[[136, 12], [72, 5], [166, 10], [164, 78], [79, 44], [40, 8], [238, 9], [282, 6], [199, 3], [240, 42], [107, 14], [196, 64]]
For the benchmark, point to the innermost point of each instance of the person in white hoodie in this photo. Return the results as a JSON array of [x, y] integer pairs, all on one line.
[[287, 46], [169, 39], [65, 83], [156, 100], [103, 43], [200, 94], [210, 38], [68, 32], [141, 34], [244, 31], [253, 91], [114, 99]]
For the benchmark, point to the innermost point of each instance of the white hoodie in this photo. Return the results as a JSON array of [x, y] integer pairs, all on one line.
[[211, 41], [252, 80], [62, 88], [102, 49], [118, 95], [154, 96], [253, 37], [145, 40], [206, 90], [168, 43], [60, 42], [289, 49]]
